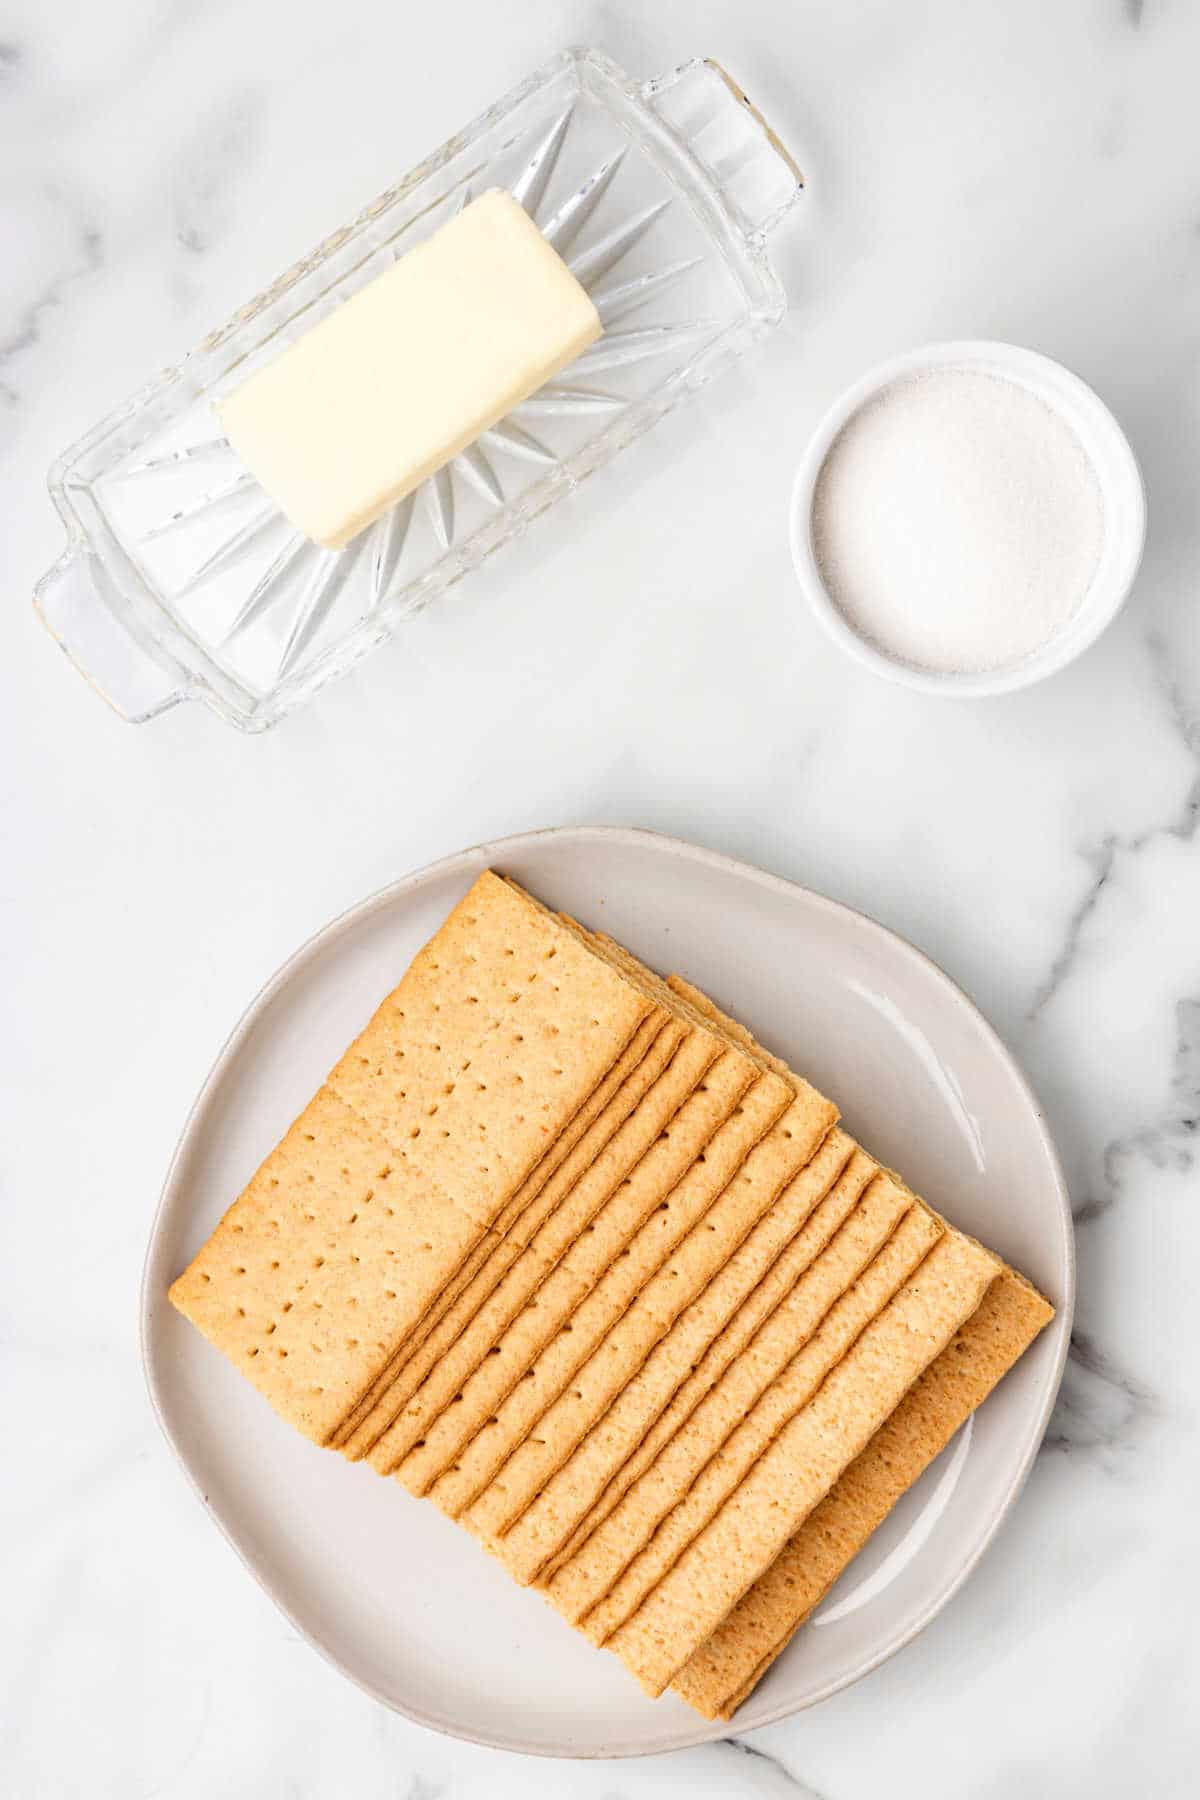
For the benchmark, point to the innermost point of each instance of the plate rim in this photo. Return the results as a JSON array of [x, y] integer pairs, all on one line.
[[496, 849]]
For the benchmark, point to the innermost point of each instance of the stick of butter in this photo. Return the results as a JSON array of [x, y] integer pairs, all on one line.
[[409, 371]]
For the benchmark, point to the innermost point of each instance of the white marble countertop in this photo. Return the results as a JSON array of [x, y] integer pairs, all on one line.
[[1018, 171]]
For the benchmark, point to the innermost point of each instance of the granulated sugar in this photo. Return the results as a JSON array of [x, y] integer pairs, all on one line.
[[957, 521]]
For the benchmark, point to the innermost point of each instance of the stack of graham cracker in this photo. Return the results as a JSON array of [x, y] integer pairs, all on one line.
[[559, 1246]]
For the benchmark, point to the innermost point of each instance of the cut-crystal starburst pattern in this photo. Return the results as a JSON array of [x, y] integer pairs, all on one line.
[[253, 613]]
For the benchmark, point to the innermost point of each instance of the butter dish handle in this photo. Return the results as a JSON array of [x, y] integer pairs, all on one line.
[[744, 159], [75, 604]]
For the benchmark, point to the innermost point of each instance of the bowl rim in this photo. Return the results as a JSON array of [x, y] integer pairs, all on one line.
[[1104, 443]]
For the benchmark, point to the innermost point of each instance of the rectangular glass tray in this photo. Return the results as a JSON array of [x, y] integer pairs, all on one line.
[[182, 580]]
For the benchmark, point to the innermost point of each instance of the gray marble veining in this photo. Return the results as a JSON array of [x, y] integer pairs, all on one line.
[[83, 256], [768, 1774], [1100, 1408], [208, 167]]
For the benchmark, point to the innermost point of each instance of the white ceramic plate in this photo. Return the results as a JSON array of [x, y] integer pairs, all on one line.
[[391, 1592]]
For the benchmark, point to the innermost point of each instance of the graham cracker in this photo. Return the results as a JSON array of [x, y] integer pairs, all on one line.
[[825, 1258], [640, 1333], [517, 1082], [572, 1493], [581, 1141], [721, 1674], [679, 1249], [881, 1244], [700, 1006], [418, 1430], [683, 1000], [456, 1484], [479, 1444], [502, 1286], [681, 997], [806, 1458], [478, 1113], [492, 956], [570, 1585], [327, 1188], [705, 1008]]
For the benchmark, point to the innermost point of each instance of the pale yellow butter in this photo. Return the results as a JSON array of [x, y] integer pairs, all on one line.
[[410, 370]]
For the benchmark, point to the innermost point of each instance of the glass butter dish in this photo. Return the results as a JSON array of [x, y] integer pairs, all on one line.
[[182, 579]]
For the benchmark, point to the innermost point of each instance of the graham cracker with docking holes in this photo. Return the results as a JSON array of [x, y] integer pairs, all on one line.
[[577, 1146], [421, 1417], [475, 1445], [696, 1262], [566, 1581], [771, 1326], [302, 1256], [589, 1471], [727, 1667], [878, 1248], [455, 1484], [804, 1461], [682, 1243], [476, 1113]]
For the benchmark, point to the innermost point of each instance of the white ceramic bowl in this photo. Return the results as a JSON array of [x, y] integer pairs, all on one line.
[[1117, 472]]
